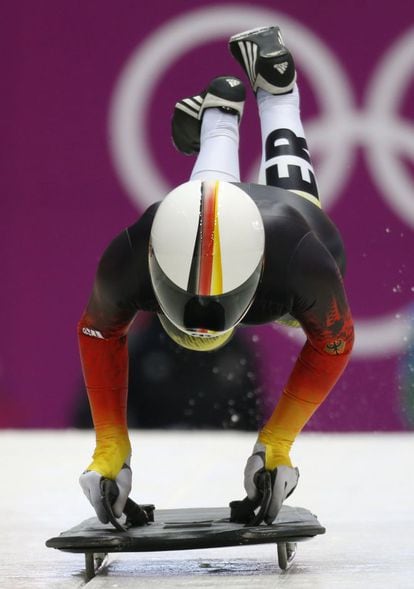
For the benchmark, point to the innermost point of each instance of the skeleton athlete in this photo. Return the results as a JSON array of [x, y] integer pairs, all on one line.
[[216, 254]]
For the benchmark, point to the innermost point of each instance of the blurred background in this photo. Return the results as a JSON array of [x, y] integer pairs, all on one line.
[[87, 94]]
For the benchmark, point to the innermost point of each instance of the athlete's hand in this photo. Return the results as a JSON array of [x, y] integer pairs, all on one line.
[[284, 480], [90, 481]]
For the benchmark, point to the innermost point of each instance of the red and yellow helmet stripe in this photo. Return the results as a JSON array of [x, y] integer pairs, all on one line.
[[206, 274]]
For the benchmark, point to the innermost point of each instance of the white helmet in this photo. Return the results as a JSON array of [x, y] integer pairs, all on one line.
[[206, 256]]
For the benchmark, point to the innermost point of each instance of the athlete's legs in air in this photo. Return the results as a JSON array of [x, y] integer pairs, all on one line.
[[285, 160]]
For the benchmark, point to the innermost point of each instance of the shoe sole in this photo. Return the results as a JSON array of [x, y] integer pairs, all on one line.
[[247, 47]]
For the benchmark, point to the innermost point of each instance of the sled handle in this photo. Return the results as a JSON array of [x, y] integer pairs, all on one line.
[[137, 515]]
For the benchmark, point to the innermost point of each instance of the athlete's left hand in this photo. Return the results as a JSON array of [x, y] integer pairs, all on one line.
[[284, 480]]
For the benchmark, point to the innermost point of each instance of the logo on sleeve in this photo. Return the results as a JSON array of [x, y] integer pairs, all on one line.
[[92, 332], [336, 347]]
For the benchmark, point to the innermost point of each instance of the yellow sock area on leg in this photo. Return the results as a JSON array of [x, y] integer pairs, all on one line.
[[277, 449], [280, 431], [112, 450]]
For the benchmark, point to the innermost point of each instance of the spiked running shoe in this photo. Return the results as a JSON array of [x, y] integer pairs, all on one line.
[[226, 93], [265, 59]]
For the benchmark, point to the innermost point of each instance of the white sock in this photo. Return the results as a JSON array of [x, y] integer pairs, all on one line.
[[280, 111], [219, 147]]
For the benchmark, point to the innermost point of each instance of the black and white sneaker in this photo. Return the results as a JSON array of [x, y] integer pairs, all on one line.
[[265, 59], [226, 93]]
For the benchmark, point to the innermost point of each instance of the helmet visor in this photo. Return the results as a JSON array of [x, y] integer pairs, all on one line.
[[196, 313]]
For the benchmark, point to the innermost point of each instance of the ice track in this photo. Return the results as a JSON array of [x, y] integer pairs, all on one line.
[[360, 486]]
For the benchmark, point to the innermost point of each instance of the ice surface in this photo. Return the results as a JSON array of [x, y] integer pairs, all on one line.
[[360, 486]]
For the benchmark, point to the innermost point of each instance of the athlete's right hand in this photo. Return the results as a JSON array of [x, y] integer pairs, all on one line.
[[111, 460], [90, 481]]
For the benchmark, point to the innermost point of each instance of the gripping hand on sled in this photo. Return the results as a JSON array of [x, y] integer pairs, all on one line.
[[107, 464], [283, 479], [90, 481]]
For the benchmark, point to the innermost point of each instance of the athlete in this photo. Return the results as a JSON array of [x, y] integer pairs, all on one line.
[[216, 254]]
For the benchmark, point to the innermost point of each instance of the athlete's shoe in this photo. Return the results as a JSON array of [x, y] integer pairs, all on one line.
[[265, 59], [226, 93]]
